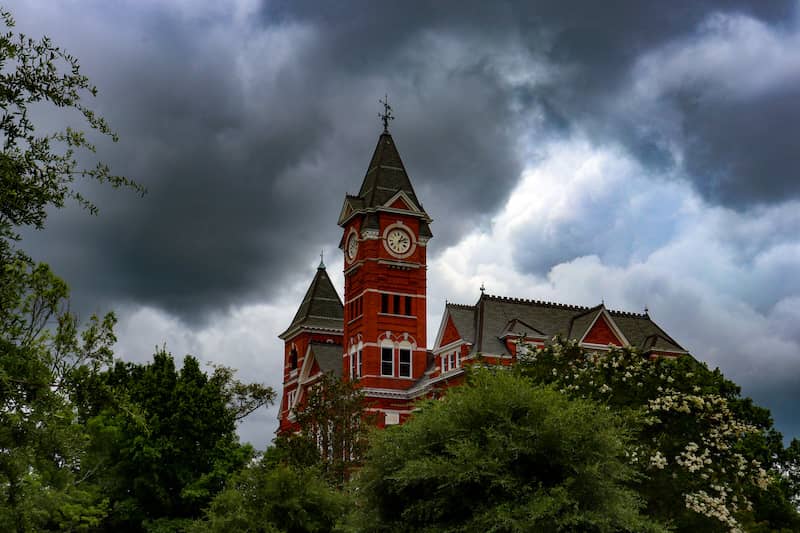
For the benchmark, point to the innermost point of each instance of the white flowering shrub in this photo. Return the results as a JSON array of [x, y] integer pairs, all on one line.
[[707, 456]]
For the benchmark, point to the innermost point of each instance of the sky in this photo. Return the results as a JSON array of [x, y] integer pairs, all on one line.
[[640, 153]]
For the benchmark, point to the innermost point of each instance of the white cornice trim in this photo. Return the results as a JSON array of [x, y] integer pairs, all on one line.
[[288, 335], [421, 214], [442, 326], [362, 293], [449, 347]]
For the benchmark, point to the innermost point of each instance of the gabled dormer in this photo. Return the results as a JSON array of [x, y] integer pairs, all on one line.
[[600, 330], [518, 333]]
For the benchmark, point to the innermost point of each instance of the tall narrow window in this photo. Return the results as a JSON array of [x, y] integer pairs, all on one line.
[[397, 310], [384, 303], [360, 363], [387, 361], [408, 305], [293, 359], [405, 363], [454, 360]]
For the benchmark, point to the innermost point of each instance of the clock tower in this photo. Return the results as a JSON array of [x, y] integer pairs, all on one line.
[[384, 240]]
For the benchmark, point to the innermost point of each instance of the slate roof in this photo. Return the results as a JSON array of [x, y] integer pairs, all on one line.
[[486, 322], [321, 307], [386, 176], [328, 357], [464, 320]]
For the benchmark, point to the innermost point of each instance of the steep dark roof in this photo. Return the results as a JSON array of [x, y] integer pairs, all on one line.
[[386, 176], [463, 319], [484, 323], [321, 307], [328, 357]]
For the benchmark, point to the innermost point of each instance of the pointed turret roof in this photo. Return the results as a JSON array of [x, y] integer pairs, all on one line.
[[386, 178], [386, 175], [321, 308]]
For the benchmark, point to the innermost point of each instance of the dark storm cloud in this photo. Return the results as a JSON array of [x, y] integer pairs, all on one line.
[[247, 162], [248, 134]]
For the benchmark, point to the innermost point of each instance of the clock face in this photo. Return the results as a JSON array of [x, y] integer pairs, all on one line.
[[398, 241], [352, 247]]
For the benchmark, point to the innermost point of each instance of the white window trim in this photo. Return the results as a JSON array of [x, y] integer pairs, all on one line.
[[392, 348], [407, 347]]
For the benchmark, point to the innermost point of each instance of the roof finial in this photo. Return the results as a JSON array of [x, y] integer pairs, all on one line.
[[483, 289], [321, 259], [386, 116], [646, 310]]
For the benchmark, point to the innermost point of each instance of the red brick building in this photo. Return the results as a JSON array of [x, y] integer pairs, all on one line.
[[378, 334]]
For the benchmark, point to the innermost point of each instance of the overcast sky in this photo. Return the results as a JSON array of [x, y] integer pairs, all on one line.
[[640, 153]]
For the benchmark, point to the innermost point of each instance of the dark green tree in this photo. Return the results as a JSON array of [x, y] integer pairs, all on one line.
[[274, 497], [499, 454], [164, 440]]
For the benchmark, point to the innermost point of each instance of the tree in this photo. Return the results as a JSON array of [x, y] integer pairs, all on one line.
[[37, 171], [271, 497], [42, 449], [707, 455], [42, 349], [333, 420], [501, 455], [164, 440]]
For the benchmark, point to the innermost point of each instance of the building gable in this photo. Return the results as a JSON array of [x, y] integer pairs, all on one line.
[[402, 202], [603, 332], [450, 333]]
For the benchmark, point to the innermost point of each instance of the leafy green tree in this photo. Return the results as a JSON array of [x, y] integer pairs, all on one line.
[[42, 449], [164, 440], [708, 456], [38, 170], [790, 470], [333, 419], [499, 454], [43, 351], [274, 497]]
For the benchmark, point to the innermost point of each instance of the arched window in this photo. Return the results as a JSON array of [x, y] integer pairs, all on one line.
[[387, 358], [353, 367], [359, 362], [404, 359]]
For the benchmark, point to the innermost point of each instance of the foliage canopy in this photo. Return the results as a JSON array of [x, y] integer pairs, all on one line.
[[499, 454]]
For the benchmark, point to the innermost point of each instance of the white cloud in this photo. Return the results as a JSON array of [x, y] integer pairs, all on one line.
[[244, 338], [715, 58], [723, 283]]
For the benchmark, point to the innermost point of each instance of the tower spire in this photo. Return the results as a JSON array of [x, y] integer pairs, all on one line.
[[321, 259], [386, 116]]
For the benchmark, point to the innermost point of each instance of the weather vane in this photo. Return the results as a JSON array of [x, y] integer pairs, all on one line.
[[386, 116]]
